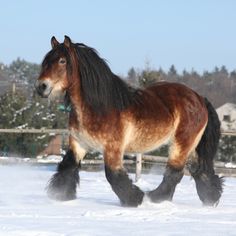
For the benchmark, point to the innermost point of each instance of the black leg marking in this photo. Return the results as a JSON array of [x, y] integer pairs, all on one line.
[[209, 188], [209, 185], [166, 189], [129, 194], [62, 185]]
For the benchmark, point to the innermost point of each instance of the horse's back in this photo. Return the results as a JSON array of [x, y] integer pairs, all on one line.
[[179, 99], [176, 94]]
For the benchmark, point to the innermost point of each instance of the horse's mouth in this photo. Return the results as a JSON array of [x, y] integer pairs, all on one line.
[[44, 93]]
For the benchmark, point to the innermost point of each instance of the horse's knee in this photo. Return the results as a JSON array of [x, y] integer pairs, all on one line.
[[62, 185], [78, 151], [192, 164]]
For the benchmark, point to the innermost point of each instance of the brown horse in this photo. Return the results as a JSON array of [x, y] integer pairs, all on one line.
[[113, 118]]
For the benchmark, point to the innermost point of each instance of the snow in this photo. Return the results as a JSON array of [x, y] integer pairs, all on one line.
[[230, 165], [25, 210], [49, 159], [22, 126]]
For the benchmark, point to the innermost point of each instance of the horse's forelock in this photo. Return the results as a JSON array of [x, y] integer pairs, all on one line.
[[54, 54]]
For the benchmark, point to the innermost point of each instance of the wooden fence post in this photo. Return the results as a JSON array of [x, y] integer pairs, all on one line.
[[138, 166], [14, 88]]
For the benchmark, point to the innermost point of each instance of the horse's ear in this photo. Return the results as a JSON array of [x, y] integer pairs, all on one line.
[[54, 42], [67, 41]]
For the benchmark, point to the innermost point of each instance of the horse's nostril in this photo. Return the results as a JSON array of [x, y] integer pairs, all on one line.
[[43, 86]]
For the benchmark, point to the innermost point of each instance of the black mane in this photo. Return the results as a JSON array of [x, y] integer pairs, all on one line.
[[101, 89]]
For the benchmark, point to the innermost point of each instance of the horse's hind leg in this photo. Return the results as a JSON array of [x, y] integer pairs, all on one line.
[[184, 142], [129, 194], [209, 185], [62, 185], [172, 176]]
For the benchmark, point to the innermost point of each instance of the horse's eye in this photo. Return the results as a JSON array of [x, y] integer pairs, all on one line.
[[62, 61]]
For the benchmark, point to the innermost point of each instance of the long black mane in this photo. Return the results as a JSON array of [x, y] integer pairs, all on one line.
[[101, 89]]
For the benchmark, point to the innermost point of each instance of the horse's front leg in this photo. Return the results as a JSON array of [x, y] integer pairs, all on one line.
[[62, 185], [128, 193]]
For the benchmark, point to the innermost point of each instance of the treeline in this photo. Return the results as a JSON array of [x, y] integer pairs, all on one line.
[[219, 85]]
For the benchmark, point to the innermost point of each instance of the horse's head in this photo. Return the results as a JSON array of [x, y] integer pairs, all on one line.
[[78, 70], [55, 69]]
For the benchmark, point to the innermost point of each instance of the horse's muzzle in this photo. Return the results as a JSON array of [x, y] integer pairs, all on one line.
[[43, 88]]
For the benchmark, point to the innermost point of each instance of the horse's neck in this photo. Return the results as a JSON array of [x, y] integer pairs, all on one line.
[[76, 99]]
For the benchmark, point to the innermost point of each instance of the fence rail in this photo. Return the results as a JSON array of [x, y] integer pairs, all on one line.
[[35, 131], [66, 131], [228, 133]]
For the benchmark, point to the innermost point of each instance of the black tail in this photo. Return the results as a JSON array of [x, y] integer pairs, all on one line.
[[209, 185], [208, 145]]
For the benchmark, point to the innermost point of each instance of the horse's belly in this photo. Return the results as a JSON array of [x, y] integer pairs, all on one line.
[[146, 143]]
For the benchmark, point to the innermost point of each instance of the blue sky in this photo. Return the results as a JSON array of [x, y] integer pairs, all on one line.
[[198, 34]]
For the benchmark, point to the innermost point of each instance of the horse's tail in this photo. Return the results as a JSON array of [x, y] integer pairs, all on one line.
[[209, 142], [209, 185]]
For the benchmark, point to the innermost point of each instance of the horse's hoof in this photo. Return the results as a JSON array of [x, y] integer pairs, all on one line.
[[133, 203], [158, 197]]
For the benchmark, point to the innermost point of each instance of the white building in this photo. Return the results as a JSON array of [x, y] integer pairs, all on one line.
[[227, 116]]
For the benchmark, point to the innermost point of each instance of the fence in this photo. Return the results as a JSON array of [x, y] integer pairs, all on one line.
[[65, 132]]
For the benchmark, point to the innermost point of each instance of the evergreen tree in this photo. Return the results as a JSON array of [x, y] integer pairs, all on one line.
[[227, 149], [172, 71], [132, 76], [17, 111], [21, 70]]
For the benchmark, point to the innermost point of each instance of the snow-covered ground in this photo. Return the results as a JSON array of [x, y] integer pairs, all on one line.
[[25, 210]]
